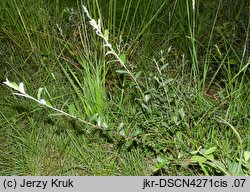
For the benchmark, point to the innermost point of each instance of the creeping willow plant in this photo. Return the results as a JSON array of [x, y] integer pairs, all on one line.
[[22, 93], [119, 58], [100, 125]]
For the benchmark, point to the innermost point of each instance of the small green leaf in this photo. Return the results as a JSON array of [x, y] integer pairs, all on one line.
[[138, 74], [104, 125], [129, 143], [120, 127], [144, 106], [194, 152], [121, 71], [210, 150], [48, 103], [210, 157], [122, 132], [168, 80], [99, 121], [182, 113], [44, 102], [94, 117], [218, 51], [147, 97], [15, 85], [246, 155], [175, 119], [157, 79], [109, 52], [198, 159], [164, 66], [218, 165], [55, 114], [72, 109], [123, 57], [159, 166], [161, 163], [40, 90], [106, 34], [135, 133]]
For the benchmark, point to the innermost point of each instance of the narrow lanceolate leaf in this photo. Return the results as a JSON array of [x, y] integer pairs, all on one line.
[[106, 34], [11, 84], [94, 117], [15, 86], [109, 46], [120, 127], [210, 150], [48, 103], [147, 97], [122, 71], [199, 159], [164, 66], [21, 88], [129, 143], [44, 102], [122, 132], [109, 52], [194, 152], [104, 125], [182, 113], [40, 90], [210, 157], [168, 80], [123, 57], [137, 75], [247, 155], [93, 24], [55, 114], [72, 109], [218, 165], [99, 121], [99, 24]]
